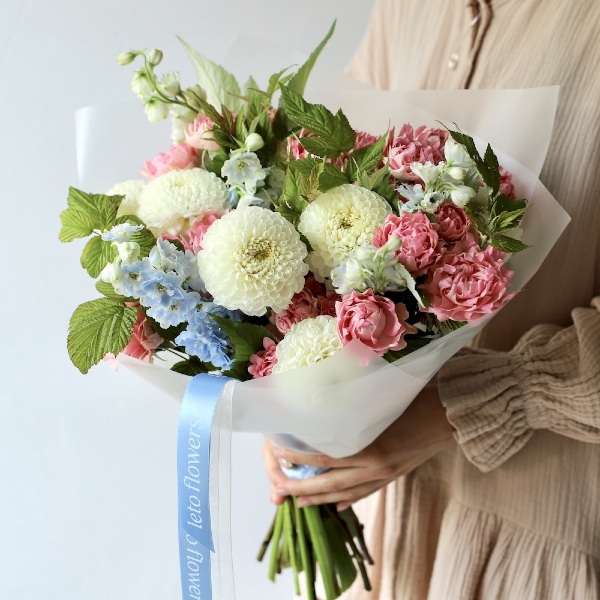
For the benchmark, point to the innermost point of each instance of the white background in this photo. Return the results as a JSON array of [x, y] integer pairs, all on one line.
[[87, 464]]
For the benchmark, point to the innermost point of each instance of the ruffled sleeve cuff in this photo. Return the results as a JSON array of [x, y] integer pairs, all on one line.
[[550, 380]]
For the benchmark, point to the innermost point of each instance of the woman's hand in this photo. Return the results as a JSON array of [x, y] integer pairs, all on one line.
[[417, 435]]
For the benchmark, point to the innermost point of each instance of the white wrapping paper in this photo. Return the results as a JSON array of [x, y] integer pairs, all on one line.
[[340, 405]]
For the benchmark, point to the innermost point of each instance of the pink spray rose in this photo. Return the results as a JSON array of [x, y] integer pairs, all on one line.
[[414, 145], [419, 249], [180, 156], [295, 149], [262, 363], [373, 320], [192, 238], [144, 341], [327, 303], [303, 305], [453, 222], [468, 285], [506, 185], [199, 136]]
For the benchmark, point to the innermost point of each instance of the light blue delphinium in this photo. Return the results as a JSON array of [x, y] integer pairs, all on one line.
[[120, 233], [204, 339], [174, 308]]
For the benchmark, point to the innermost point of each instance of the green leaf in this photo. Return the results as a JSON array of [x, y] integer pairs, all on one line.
[[96, 255], [246, 339], [97, 328], [333, 134], [507, 220], [366, 159], [412, 344], [298, 82], [331, 177], [493, 170], [75, 224], [192, 366], [450, 325], [507, 244], [487, 166], [221, 87], [106, 289], [503, 203], [86, 213]]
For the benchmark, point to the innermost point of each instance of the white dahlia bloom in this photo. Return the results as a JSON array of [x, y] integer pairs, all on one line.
[[252, 259], [307, 342], [131, 189], [169, 202], [338, 221]]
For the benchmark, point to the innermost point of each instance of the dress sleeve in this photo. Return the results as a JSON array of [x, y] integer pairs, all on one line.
[[549, 380]]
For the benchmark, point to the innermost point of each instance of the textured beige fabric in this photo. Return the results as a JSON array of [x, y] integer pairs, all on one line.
[[513, 510]]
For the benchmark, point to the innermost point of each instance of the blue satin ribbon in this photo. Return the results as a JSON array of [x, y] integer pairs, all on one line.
[[193, 468]]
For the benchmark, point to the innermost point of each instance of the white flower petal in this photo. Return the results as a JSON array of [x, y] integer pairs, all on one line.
[[252, 259]]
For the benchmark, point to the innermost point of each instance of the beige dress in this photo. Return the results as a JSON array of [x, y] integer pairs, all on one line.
[[512, 511]]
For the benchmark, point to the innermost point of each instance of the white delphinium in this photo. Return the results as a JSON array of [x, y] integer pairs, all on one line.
[[131, 189], [308, 342], [374, 268], [338, 221], [170, 201], [252, 259]]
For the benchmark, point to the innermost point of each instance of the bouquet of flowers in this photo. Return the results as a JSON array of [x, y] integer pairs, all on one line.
[[270, 238]]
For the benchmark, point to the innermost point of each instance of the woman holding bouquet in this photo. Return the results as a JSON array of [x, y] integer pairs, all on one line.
[[488, 486]]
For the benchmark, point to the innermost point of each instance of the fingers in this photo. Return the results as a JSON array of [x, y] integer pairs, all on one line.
[[335, 485]]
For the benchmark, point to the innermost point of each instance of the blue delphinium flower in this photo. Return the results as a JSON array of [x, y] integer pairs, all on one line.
[[173, 308], [204, 339]]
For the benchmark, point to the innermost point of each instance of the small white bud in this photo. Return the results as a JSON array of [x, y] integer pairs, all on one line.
[[457, 173], [254, 142], [126, 58], [154, 57]]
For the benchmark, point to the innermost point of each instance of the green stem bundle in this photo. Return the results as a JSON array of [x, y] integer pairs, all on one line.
[[317, 538]]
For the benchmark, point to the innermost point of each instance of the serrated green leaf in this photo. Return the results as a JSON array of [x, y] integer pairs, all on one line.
[[503, 203], [492, 171], [331, 177], [75, 224], [333, 135], [366, 159], [106, 289], [507, 244], [96, 255], [192, 367], [221, 87], [450, 325], [246, 338], [100, 208], [298, 82], [97, 328], [507, 220]]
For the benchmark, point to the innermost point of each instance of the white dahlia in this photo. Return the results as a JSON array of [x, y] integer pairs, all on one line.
[[171, 201], [307, 342], [131, 189], [338, 221], [252, 259]]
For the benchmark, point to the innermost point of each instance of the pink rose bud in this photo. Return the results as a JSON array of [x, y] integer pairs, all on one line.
[[468, 285], [453, 222], [262, 363], [373, 320], [180, 156]]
